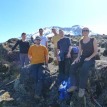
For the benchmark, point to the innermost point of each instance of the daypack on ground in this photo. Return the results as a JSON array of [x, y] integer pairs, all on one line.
[[63, 94]]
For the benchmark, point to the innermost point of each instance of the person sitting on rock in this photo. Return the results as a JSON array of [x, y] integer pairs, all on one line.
[[86, 59], [38, 55], [63, 56], [23, 49]]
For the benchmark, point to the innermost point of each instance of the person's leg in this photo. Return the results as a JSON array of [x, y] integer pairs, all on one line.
[[26, 59], [67, 64], [33, 75], [84, 72], [39, 87], [73, 73], [61, 72], [74, 76], [22, 60]]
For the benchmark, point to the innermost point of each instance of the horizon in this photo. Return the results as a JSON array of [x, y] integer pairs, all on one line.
[[28, 16]]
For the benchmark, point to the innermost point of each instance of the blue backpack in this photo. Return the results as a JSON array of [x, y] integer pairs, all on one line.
[[74, 50], [63, 94]]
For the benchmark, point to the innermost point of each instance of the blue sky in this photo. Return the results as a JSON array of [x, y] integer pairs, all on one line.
[[17, 16]]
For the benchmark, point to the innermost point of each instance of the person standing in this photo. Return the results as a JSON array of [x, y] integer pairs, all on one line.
[[38, 56], [86, 59], [55, 39], [23, 49], [44, 39], [64, 55]]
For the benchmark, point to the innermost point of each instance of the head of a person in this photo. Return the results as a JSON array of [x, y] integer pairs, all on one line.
[[23, 35], [41, 31], [54, 31], [85, 31], [37, 40], [61, 33]]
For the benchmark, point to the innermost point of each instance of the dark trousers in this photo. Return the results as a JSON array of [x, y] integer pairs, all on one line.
[[36, 73], [83, 73], [64, 68]]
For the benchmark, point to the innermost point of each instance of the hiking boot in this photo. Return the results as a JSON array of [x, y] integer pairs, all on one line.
[[71, 89], [81, 92]]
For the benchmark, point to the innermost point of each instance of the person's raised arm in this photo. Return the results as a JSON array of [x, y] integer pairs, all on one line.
[[17, 43]]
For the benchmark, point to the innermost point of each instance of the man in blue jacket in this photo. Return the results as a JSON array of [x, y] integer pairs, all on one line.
[[64, 55]]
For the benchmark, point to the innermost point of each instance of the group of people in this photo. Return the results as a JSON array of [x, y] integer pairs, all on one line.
[[37, 55]]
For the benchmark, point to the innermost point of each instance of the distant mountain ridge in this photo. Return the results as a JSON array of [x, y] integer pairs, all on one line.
[[74, 30]]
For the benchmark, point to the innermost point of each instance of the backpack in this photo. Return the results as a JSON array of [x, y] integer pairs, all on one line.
[[75, 50], [74, 53], [63, 94]]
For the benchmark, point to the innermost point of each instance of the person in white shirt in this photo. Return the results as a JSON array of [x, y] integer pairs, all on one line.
[[44, 39]]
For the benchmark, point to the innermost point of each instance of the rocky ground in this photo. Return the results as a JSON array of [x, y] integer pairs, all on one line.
[[17, 90]]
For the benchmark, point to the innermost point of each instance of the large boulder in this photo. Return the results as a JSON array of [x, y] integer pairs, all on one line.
[[96, 88], [6, 47], [24, 86], [97, 84]]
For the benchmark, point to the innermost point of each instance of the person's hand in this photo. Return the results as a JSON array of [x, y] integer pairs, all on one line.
[[76, 60], [87, 59], [68, 55], [30, 58], [46, 65]]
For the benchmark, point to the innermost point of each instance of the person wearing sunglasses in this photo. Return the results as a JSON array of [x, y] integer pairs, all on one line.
[[38, 56], [86, 59]]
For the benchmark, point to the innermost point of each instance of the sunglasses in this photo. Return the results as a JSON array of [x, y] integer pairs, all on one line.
[[85, 30]]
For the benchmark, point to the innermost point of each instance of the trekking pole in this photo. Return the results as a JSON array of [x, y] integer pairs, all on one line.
[[93, 99], [7, 84], [96, 102]]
